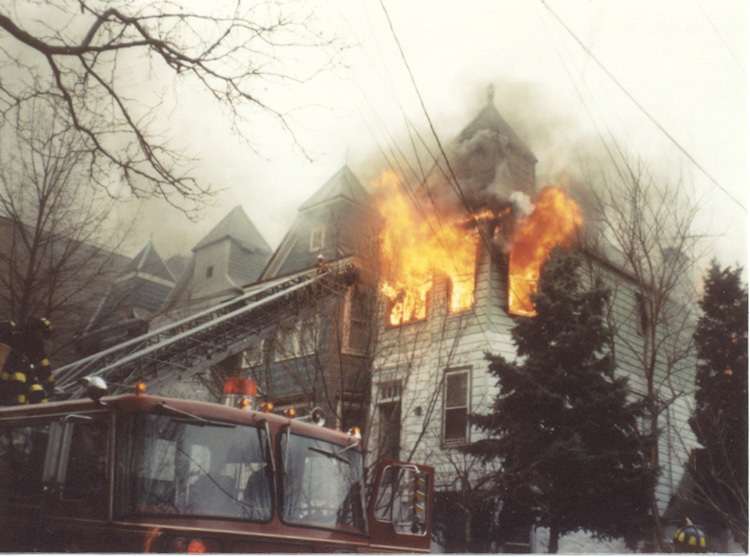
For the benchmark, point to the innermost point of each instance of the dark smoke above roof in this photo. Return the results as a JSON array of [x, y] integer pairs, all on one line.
[[489, 119]]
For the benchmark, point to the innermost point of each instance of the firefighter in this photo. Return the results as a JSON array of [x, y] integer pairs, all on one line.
[[13, 366], [690, 539], [35, 335], [320, 264]]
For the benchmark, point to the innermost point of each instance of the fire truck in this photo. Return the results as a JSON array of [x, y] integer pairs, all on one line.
[[142, 473]]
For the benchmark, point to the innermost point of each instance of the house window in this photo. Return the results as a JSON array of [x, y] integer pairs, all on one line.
[[356, 323], [317, 239], [307, 337], [253, 356], [209, 272], [287, 345], [389, 418], [456, 407]]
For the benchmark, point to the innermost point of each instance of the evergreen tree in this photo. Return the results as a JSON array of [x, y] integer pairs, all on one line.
[[720, 418], [563, 428]]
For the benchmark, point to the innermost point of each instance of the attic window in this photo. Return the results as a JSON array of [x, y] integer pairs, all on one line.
[[209, 272], [317, 239]]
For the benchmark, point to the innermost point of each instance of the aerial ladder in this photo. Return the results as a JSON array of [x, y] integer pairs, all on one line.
[[190, 345]]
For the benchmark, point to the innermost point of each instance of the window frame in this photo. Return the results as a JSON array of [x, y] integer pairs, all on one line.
[[317, 238], [350, 317], [449, 443]]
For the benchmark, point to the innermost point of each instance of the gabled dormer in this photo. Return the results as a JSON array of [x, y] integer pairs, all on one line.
[[331, 223], [230, 256]]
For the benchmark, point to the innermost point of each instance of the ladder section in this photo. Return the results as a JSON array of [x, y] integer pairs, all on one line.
[[185, 347]]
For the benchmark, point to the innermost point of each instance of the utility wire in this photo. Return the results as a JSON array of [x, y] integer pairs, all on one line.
[[454, 182], [721, 38], [641, 108]]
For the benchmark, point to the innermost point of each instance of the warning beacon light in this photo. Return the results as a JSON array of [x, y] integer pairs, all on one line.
[[240, 392]]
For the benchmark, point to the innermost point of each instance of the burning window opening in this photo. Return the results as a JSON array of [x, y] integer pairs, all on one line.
[[415, 246], [553, 222]]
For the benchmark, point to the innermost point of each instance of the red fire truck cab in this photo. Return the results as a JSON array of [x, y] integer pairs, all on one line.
[[140, 473]]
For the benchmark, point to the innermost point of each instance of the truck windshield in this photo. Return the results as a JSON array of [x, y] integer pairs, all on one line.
[[322, 484], [169, 465]]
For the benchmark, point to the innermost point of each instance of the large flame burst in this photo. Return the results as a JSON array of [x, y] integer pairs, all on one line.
[[415, 245], [553, 222]]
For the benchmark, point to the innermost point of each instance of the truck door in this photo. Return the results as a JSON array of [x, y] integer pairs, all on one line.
[[76, 502], [400, 512]]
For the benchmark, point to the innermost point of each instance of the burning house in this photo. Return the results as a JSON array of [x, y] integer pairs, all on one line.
[[379, 306], [459, 258]]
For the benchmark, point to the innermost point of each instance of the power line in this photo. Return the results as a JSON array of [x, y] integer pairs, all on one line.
[[454, 182], [641, 108]]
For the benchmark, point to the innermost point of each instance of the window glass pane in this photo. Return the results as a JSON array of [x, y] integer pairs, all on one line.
[[455, 424], [358, 336], [22, 450], [86, 469], [176, 467], [455, 385], [322, 484]]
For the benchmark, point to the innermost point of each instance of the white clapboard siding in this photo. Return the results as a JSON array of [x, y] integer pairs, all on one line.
[[418, 354]]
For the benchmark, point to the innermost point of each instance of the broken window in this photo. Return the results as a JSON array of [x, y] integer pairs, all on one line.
[[456, 407]]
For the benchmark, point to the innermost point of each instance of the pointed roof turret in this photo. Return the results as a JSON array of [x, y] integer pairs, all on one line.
[[343, 184], [148, 261], [237, 226], [489, 119]]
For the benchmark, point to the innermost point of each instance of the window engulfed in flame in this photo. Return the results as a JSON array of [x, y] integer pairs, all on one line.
[[553, 222], [415, 244]]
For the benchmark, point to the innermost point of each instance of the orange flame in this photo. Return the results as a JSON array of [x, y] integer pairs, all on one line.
[[555, 219], [414, 244]]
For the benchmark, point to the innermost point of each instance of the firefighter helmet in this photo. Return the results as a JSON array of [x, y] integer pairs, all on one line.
[[41, 326], [690, 539]]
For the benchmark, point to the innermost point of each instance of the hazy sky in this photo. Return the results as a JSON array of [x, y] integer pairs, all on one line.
[[684, 62]]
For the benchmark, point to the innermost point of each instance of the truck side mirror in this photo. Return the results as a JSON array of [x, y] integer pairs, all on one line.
[[402, 499]]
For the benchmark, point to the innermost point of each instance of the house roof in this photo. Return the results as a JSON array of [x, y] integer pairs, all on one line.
[[489, 119], [238, 227], [343, 184], [149, 262], [339, 210]]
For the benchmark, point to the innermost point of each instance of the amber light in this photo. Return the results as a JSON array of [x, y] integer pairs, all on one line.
[[196, 546], [245, 404], [290, 413], [140, 388], [267, 407], [355, 432]]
